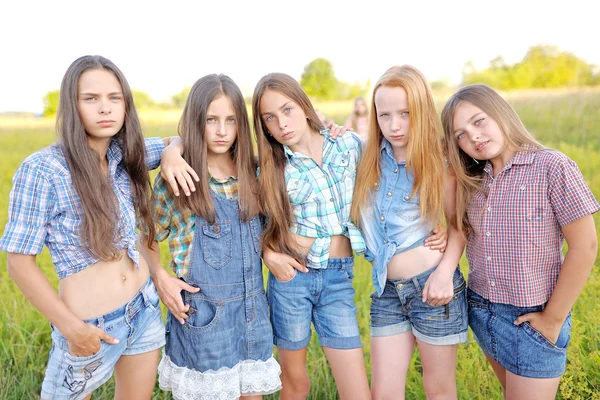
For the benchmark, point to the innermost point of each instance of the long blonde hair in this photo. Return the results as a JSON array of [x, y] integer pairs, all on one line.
[[467, 171], [424, 151], [275, 202]]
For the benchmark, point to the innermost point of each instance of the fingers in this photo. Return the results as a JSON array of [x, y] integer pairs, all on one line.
[[188, 288], [105, 337], [194, 175], [170, 178], [295, 264], [524, 318], [183, 183], [189, 182]]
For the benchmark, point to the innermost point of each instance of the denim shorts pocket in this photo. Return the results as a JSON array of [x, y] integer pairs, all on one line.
[[476, 301], [542, 340], [81, 359], [203, 314], [289, 280], [152, 301], [216, 243]]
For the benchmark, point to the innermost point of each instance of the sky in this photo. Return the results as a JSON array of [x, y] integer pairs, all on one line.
[[164, 46]]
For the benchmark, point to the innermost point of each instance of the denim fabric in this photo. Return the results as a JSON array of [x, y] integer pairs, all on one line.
[[400, 309], [139, 328], [391, 223], [323, 295], [228, 318], [521, 349]]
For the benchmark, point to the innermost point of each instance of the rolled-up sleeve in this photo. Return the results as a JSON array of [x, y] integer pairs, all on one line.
[[154, 148]]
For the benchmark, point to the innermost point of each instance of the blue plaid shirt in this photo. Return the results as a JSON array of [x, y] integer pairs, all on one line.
[[44, 208], [321, 196]]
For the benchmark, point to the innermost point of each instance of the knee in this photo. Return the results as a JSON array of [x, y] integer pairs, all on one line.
[[296, 384]]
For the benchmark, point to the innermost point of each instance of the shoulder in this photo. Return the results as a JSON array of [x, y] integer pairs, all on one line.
[[553, 160], [350, 141], [47, 162]]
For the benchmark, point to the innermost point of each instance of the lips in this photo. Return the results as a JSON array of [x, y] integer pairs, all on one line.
[[480, 146], [397, 137], [106, 123], [221, 142], [287, 135]]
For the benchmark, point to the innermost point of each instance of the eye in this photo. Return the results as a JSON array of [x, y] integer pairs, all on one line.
[[231, 120], [460, 135], [269, 118], [210, 119], [405, 113], [287, 110], [478, 122], [115, 98], [88, 98], [384, 115]]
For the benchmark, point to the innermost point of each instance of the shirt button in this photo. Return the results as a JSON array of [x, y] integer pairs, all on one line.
[[492, 283], [488, 258], [376, 184], [217, 229], [331, 199], [389, 194], [406, 197], [523, 187], [396, 170], [382, 218], [489, 208], [385, 241], [488, 233]]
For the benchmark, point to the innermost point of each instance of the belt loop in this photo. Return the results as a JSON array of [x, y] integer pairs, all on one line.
[[415, 282], [100, 323]]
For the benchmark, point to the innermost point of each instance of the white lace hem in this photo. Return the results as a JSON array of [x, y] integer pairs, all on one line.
[[246, 378]]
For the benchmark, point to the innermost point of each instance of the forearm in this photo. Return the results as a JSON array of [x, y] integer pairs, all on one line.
[[573, 276], [38, 290], [454, 250], [174, 142], [152, 256]]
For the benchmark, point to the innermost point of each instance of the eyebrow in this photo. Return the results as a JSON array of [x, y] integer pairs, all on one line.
[[469, 121], [280, 108], [96, 94]]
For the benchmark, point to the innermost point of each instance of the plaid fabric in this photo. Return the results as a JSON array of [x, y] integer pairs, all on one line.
[[515, 249], [178, 225], [44, 208], [321, 196]]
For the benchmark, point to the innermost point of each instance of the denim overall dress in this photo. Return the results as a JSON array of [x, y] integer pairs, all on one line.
[[227, 342]]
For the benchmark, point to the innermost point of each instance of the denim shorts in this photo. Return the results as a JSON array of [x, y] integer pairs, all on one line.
[[138, 326], [521, 349], [324, 296], [400, 308]]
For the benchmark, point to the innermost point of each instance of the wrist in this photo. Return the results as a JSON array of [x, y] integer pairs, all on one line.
[[71, 327]]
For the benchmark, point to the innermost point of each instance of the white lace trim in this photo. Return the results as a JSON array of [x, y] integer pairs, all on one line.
[[246, 378]]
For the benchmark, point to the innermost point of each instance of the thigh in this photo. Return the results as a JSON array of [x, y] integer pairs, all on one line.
[[439, 369], [520, 387], [349, 372], [390, 359], [389, 316], [135, 376]]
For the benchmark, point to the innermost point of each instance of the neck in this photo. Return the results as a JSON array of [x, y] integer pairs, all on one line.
[[311, 145], [399, 154], [221, 165], [501, 160]]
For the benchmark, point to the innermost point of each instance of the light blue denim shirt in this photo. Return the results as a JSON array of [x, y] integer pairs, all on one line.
[[391, 222]]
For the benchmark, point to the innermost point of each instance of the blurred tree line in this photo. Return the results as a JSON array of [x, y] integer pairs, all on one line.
[[542, 67]]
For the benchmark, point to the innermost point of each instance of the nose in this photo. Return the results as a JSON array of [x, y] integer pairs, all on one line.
[[104, 107], [395, 124], [221, 131], [475, 136]]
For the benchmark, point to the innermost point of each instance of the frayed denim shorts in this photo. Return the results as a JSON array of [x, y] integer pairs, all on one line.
[[400, 308], [324, 296], [521, 349], [138, 326]]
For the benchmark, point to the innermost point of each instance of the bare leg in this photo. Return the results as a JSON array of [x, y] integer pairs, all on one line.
[[135, 376], [294, 377], [390, 358], [522, 388], [439, 370], [348, 367]]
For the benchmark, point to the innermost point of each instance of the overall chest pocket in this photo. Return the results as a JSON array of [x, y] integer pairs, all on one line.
[[216, 243]]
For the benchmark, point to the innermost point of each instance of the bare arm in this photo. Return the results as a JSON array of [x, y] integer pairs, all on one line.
[[577, 266], [168, 286], [439, 288], [83, 339]]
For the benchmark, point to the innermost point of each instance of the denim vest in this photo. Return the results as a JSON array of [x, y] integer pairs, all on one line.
[[228, 318], [391, 221]]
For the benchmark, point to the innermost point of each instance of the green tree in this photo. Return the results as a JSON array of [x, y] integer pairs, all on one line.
[[318, 80], [178, 100], [142, 99], [50, 101]]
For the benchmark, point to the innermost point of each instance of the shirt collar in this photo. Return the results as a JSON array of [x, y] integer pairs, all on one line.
[[524, 157]]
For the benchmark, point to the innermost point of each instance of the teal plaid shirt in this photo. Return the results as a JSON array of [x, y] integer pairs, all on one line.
[[321, 196]]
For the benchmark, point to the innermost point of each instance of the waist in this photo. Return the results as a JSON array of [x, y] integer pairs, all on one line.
[[339, 245], [103, 286]]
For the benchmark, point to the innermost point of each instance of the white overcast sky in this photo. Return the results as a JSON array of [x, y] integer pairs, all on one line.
[[164, 46]]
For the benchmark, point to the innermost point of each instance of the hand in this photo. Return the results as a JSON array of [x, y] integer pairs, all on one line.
[[85, 339], [335, 131], [439, 288], [175, 170], [439, 239], [543, 323], [169, 290], [281, 265]]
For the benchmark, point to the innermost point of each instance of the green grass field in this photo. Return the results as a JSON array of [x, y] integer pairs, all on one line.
[[568, 121]]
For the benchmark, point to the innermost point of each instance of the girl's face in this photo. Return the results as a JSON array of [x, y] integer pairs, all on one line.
[[360, 106], [220, 131], [101, 104], [283, 118], [477, 134], [391, 105]]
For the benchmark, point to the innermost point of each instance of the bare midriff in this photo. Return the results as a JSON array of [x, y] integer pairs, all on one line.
[[103, 287], [413, 262], [339, 247]]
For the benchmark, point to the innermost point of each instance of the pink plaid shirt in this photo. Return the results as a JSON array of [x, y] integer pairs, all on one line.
[[515, 248]]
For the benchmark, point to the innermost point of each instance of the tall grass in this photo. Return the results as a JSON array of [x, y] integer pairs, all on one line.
[[567, 121]]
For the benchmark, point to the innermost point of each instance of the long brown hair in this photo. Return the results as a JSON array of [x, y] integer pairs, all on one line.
[[424, 151], [192, 127], [96, 194], [469, 172], [276, 203]]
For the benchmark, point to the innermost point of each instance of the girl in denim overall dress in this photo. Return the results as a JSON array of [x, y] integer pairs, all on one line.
[[219, 339], [402, 192], [517, 203], [83, 197], [306, 180]]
